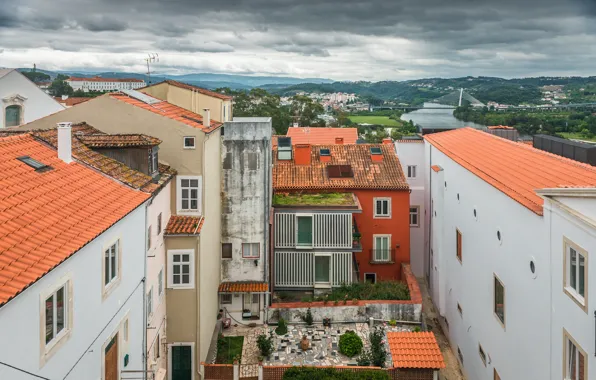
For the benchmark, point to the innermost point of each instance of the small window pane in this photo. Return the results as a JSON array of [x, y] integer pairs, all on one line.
[[194, 183], [185, 269], [573, 274], [184, 182], [59, 310], [184, 193], [176, 269], [499, 300], [107, 267], [49, 318], [226, 250], [176, 279], [185, 258], [176, 258], [581, 274], [113, 268], [185, 279], [193, 204], [185, 204]]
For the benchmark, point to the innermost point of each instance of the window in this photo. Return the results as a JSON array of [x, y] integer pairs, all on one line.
[[226, 250], [252, 161], [414, 216], [12, 116], [55, 315], [499, 302], [156, 347], [482, 354], [576, 260], [370, 277], [323, 269], [159, 224], [226, 299], [181, 269], [382, 207], [111, 263], [150, 302], [412, 171], [189, 142], [575, 360], [458, 244], [340, 171], [227, 163], [189, 189], [153, 161], [250, 250], [125, 331], [304, 230], [149, 238], [160, 283], [460, 310], [382, 248]]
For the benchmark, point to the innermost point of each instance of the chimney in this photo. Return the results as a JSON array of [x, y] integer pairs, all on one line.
[[206, 118], [387, 140], [302, 154], [339, 140], [64, 97], [65, 142]]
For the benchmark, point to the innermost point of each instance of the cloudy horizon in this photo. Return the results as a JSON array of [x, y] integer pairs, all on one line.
[[342, 40]]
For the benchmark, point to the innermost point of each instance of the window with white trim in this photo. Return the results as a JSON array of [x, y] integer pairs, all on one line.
[[226, 299], [414, 216], [111, 262], [189, 194], [382, 248], [576, 265], [160, 283], [181, 268], [150, 302], [159, 224], [55, 315], [189, 142], [149, 238], [575, 360], [382, 207], [250, 250], [499, 300], [411, 171]]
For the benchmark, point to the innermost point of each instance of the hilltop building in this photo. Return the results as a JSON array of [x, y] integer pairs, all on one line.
[[104, 84]]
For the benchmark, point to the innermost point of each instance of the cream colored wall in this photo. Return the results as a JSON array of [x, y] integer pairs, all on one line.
[[210, 248], [181, 304], [159, 91], [114, 116], [191, 100]]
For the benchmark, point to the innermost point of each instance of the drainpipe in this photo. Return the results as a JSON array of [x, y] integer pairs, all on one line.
[[266, 213], [430, 223], [145, 316]]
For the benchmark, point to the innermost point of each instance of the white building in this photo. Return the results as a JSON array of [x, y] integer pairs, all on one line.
[[21, 101], [105, 84], [72, 266], [511, 229]]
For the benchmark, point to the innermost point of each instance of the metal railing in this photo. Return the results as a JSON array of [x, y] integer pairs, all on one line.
[[382, 256]]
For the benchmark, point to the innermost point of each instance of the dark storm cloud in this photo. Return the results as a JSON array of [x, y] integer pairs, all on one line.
[[100, 23], [184, 45]]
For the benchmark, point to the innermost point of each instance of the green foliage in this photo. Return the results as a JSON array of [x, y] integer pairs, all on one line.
[[307, 318], [365, 358], [298, 199], [265, 344], [89, 94], [314, 373], [59, 87], [416, 329], [36, 76], [392, 322], [307, 109], [350, 344], [228, 349], [382, 290], [377, 347], [282, 327]]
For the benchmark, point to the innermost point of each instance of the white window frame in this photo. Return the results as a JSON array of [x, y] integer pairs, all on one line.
[[504, 321], [388, 236], [110, 286], [417, 213], [221, 298], [411, 169], [48, 349], [573, 293], [194, 142], [150, 303], [170, 274], [192, 356], [179, 195], [251, 249], [567, 341], [382, 216]]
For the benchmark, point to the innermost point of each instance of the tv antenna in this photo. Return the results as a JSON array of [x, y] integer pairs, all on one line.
[[151, 58]]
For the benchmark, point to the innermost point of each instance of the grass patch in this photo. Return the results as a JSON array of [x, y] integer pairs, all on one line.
[[228, 348], [323, 199], [577, 136], [383, 290], [377, 120]]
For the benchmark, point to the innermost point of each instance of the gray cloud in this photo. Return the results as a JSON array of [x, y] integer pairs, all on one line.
[[101, 23], [184, 45]]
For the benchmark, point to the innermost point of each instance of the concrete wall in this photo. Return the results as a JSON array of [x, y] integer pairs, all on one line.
[[412, 153], [246, 195], [520, 349], [37, 103], [94, 320]]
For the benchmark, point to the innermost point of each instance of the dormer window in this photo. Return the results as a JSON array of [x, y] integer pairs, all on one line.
[[375, 151], [325, 152], [153, 161], [284, 148]]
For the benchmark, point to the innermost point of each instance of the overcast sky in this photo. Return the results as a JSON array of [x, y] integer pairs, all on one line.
[[338, 39]]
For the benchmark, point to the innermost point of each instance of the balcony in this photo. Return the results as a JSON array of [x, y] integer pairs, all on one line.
[[356, 244], [382, 256]]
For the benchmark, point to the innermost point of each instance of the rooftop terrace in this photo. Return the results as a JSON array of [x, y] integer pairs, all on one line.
[[315, 199]]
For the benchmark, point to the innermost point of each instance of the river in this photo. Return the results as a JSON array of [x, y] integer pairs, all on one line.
[[437, 118]]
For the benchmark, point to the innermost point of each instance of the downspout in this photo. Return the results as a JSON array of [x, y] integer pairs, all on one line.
[[198, 260], [550, 251], [145, 316], [430, 223], [266, 213]]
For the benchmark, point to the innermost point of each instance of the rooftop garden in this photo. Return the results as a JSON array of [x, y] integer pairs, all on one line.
[[318, 199], [346, 294], [229, 348]]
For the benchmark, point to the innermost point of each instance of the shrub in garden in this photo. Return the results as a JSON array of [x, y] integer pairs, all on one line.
[[365, 358], [350, 344], [377, 347], [265, 344], [282, 327], [314, 373], [308, 317]]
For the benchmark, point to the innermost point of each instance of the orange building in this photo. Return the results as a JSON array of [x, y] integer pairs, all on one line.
[[341, 214]]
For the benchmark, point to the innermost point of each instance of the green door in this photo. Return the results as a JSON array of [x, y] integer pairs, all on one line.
[[181, 363]]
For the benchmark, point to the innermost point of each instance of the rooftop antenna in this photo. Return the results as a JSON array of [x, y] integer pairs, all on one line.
[[151, 58]]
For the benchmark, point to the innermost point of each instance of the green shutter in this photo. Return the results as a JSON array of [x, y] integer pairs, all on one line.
[[305, 230]]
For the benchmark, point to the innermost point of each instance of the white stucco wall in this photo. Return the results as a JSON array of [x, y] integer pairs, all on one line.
[[94, 321], [521, 349], [412, 153], [156, 262], [37, 103]]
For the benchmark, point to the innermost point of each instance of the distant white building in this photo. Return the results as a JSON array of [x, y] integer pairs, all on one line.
[[510, 230], [22, 101], [105, 84]]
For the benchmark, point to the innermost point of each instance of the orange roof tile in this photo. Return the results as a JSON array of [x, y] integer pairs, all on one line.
[[436, 168], [103, 140], [170, 111], [243, 287], [47, 216], [71, 101], [201, 90], [321, 136], [415, 350], [410, 141], [184, 225], [368, 174], [518, 170], [500, 127]]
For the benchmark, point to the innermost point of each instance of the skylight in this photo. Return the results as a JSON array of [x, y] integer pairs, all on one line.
[[284, 142], [325, 152], [340, 171], [38, 166], [375, 150]]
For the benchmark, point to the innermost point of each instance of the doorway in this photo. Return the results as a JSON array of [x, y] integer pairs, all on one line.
[[181, 364], [111, 359], [323, 270], [251, 302]]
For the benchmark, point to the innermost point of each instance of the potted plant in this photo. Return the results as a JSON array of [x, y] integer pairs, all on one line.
[[355, 301], [304, 343], [346, 299], [327, 322], [356, 236]]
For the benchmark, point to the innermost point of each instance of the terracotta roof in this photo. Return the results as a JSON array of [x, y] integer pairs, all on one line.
[[274, 140], [103, 140], [322, 136], [201, 90], [170, 111], [410, 141], [46, 216], [515, 169], [436, 168], [100, 79], [499, 127], [184, 225], [368, 174], [69, 102], [415, 350], [243, 287]]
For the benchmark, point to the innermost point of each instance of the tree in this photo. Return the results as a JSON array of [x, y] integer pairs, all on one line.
[[307, 110], [59, 87], [36, 76]]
